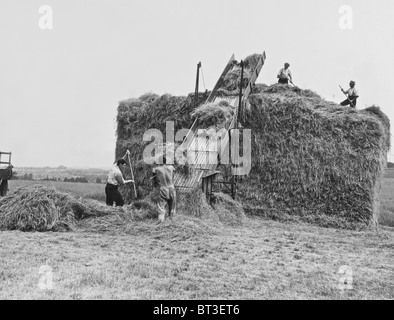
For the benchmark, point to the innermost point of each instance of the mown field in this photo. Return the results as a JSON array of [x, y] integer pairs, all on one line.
[[87, 190], [260, 259]]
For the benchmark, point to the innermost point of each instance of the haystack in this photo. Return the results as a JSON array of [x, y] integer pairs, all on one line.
[[151, 111], [312, 159], [135, 117]]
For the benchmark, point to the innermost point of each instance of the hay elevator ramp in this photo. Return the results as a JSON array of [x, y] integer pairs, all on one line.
[[204, 150]]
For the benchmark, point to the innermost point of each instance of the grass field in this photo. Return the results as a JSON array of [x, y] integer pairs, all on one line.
[[85, 190], [387, 200], [260, 259]]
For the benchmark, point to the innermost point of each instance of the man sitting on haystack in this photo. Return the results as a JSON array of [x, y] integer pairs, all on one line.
[[164, 174]]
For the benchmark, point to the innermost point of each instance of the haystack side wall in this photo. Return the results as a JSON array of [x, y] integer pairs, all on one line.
[[314, 161], [310, 157], [135, 117]]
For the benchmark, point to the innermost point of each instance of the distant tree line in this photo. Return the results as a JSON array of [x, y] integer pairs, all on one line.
[[26, 176], [76, 179], [390, 165]]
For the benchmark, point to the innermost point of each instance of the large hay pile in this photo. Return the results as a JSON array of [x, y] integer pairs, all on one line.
[[151, 111], [311, 159], [135, 117]]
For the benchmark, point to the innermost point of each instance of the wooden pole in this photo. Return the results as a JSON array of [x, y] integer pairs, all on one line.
[[132, 177], [240, 95], [196, 91]]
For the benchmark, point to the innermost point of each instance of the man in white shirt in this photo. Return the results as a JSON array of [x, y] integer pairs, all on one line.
[[352, 94], [165, 174], [115, 179], [284, 75]]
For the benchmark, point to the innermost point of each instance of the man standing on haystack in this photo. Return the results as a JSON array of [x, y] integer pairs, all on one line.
[[352, 95], [167, 195], [284, 75], [115, 178]]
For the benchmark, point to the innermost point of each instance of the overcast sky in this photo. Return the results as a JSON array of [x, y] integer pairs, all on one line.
[[60, 88]]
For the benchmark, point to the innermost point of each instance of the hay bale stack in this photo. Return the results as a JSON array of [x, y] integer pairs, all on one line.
[[313, 158]]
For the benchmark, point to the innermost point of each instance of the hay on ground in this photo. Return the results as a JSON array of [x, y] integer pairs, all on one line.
[[38, 208]]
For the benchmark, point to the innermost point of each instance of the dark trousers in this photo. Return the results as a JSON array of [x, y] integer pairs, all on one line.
[[346, 102], [283, 81], [3, 188], [112, 195]]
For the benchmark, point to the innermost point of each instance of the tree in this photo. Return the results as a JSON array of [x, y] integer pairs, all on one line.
[[98, 180], [390, 165]]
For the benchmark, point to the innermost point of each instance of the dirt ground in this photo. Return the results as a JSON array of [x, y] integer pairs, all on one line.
[[260, 259]]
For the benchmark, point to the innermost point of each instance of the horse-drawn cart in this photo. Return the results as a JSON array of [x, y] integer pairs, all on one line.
[[5, 172]]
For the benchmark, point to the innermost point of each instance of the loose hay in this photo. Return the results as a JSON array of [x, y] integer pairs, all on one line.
[[214, 115], [38, 208], [194, 217], [229, 211]]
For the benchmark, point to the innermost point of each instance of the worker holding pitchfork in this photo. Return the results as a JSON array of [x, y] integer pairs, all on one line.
[[115, 179], [284, 75], [352, 95]]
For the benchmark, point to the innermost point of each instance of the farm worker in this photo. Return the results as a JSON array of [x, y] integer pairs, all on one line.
[[352, 94], [115, 178], [3, 187], [167, 194], [284, 75]]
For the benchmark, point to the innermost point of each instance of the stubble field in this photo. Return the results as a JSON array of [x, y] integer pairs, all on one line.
[[260, 259]]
